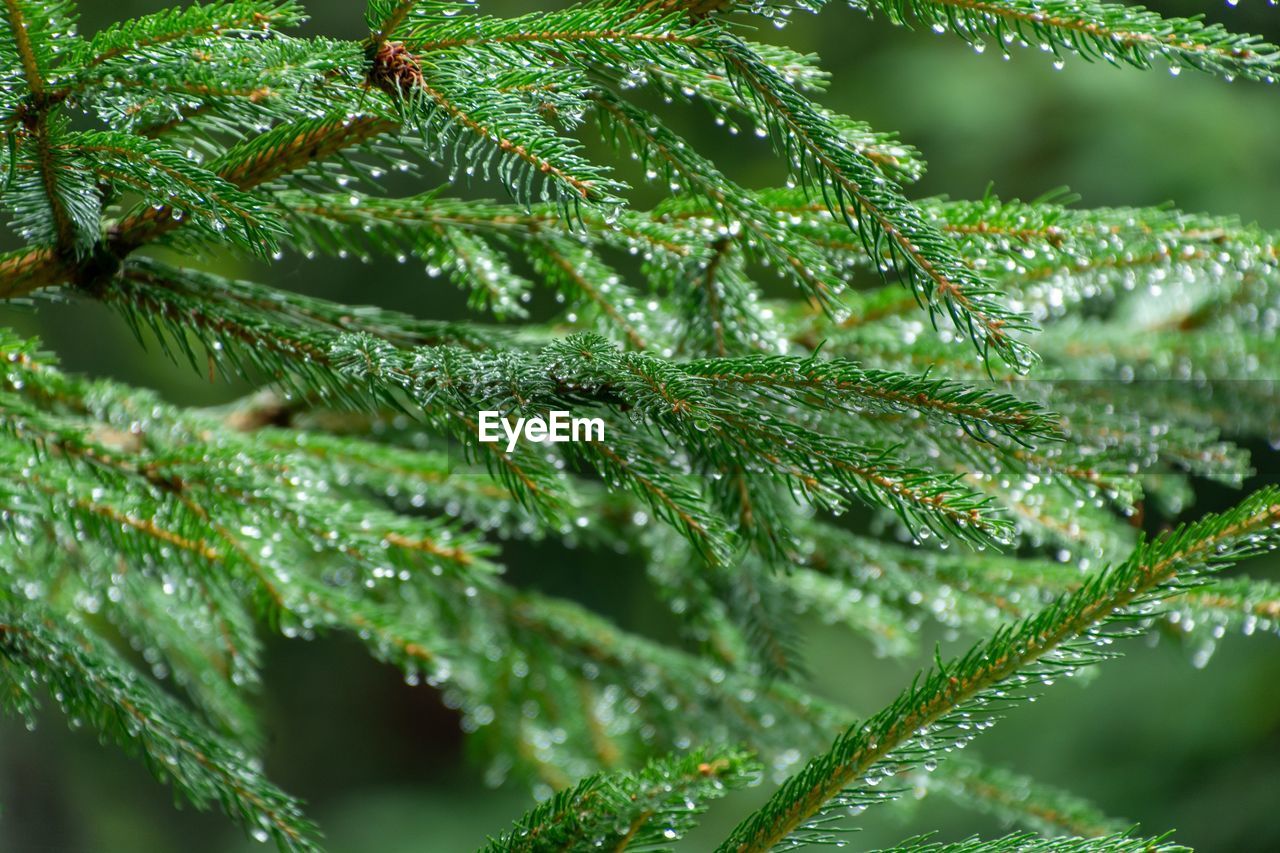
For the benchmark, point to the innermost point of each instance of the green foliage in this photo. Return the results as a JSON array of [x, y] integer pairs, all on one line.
[[1031, 844], [645, 810], [946, 706], [1112, 32], [57, 203], [957, 377], [203, 200], [1013, 799], [93, 687]]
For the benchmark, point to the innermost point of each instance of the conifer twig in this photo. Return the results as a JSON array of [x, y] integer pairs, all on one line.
[[1058, 640]]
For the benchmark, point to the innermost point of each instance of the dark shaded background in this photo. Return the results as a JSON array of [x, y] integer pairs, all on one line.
[[384, 766]]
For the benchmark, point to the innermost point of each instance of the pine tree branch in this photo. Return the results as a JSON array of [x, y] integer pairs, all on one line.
[[177, 529], [883, 217], [402, 640], [229, 650], [193, 195], [292, 147], [1024, 843], [139, 717], [729, 203], [227, 19], [235, 88], [285, 149], [1059, 639], [585, 371], [35, 119], [387, 17], [22, 41], [603, 33], [1049, 256], [608, 654], [1115, 33], [448, 107], [711, 85], [978, 592], [644, 810], [836, 384], [236, 658], [694, 8], [551, 37], [26, 270], [1017, 799], [596, 284]]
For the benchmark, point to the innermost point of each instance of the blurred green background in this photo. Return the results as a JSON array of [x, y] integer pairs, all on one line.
[[384, 766]]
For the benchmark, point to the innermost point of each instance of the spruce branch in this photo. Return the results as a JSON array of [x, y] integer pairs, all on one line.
[[1114, 33], [103, 454], [711, 85], [885, 220], [163, 178], [28, 33], [1070, 633], [478, 246], [451, 111], [609, 32], [176, 302], [968, 591], [726, 703], [400, 636], [1020, 800], [26, 270], [70, 206], [644, 810], [831, 384], [732, 207], [1024, 843], [54, 200], [334, 498], [208, 505], [723, 699], [588, 284], [584, 370], [92, 684], [219, 90], [286, 148], [225, 646], [332, 223], [1051, 257], [384, 17], [140, 37]]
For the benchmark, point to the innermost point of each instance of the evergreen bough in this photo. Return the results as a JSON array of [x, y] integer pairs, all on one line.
[[738, 428]]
